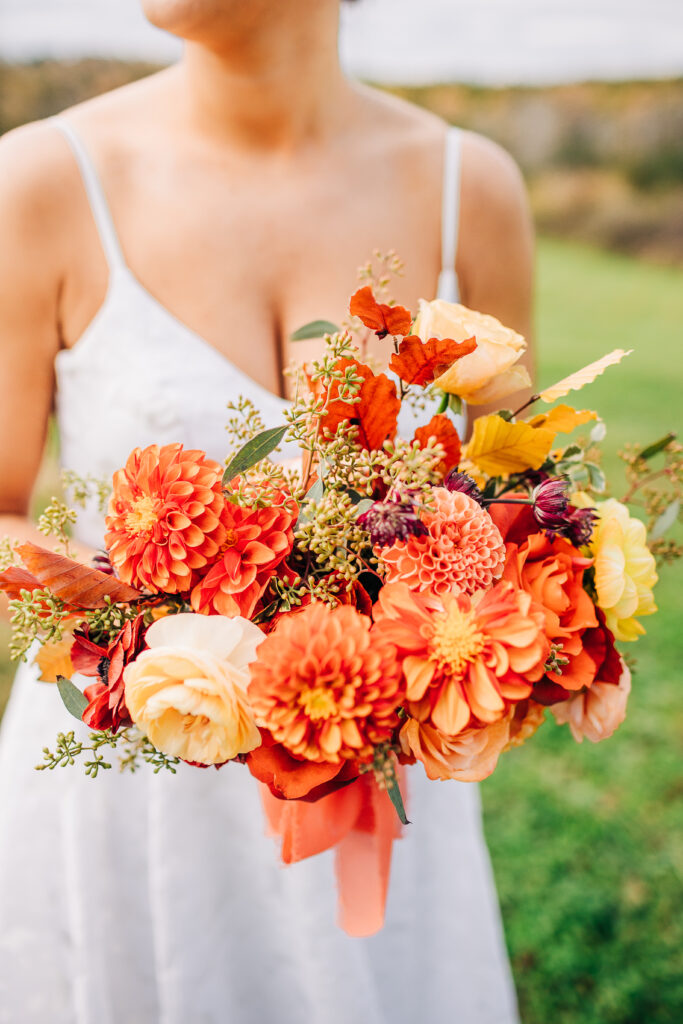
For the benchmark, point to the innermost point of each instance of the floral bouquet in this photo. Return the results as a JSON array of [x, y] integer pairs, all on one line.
[[376, 601]]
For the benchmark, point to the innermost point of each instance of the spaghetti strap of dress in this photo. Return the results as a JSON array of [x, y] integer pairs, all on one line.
[[448, 287], [95, 193]]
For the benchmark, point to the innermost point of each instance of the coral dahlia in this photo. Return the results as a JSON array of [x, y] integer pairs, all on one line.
[[256, 541], [461, 552], [465, 661], [325, 686], [164, 520]]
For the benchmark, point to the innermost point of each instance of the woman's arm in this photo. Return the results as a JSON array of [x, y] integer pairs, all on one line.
[[496, 245], [32, 207]]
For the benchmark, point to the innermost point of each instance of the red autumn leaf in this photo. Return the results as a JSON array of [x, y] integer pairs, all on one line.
[[379, 317], [74, 584], [441, 429], [375, 413], [421, 362]]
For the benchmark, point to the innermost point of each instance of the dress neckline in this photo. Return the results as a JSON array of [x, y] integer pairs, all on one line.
[[121, 275], [119, 271]]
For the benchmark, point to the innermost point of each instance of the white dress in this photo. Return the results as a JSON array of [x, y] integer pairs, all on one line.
[[138, 899]]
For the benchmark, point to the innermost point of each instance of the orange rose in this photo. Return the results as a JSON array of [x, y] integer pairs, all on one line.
[[470, 756], [552, 572]]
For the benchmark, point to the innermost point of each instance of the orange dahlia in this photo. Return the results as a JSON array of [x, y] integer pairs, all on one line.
[[325, 686], [462, 550], [256, 540], [466, 661], [164, 519]]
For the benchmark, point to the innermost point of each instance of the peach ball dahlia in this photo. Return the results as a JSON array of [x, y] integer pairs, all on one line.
[[326, 687], [164, 519], [462, 550]]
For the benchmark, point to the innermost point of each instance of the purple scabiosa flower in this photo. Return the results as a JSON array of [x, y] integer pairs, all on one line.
[[389, 521], [551, 503], [456, 481]]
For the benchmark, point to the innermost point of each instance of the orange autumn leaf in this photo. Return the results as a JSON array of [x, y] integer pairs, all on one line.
[[13, 580], [563, 419], [54, 659], [375, 413], [74, 584], [421, 362], [498, 447], [379, 317], [441, 429]]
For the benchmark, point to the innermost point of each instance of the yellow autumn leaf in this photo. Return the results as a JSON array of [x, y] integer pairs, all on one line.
[[582, 377], [563, 419], [499, 448], [54, 659]]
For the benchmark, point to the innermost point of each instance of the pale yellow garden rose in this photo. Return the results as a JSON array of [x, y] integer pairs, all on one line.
[[625, 571], [487, 374], [594, 714], [188, 692]]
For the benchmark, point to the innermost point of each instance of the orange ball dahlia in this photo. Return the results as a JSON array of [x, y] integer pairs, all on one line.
[[164, 520], [256, 541], [461, 552], [466, 661], [325, 686]]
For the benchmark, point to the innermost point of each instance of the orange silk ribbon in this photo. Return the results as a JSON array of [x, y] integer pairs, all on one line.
[[361, 823]]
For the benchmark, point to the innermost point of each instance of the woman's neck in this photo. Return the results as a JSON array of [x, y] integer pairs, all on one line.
[[275, 86]]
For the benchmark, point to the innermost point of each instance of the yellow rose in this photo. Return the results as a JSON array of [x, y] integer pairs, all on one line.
[[188, 692], [488, 373], [624, 569]]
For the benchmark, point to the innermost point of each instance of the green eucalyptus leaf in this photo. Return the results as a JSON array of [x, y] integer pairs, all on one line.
[[253, 451], [596, 477], [314, 329], [72, 698], [394, 791], [443, 404], [315, 494], [364, 505], [666, 520], [656, 447]]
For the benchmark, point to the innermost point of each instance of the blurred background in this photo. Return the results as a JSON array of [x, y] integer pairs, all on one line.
[[587, 842]]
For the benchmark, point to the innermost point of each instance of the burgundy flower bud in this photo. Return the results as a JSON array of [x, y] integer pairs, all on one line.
[[551, 503], [456, 481], [389, 521], [579, 528]]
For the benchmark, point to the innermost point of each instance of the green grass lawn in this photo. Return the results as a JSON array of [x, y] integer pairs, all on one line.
[[587, 841]]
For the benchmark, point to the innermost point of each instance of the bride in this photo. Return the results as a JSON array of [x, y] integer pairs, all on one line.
[[158, 246]]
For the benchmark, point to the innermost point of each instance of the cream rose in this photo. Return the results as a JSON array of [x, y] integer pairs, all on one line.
[[188, 692], [488, 373], [597, 712]]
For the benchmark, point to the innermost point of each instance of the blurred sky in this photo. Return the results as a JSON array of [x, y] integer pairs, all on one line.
[[404, 41]]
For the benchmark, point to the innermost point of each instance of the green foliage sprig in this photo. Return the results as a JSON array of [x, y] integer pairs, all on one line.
[[56, 521], [35, 615], [134, 750]]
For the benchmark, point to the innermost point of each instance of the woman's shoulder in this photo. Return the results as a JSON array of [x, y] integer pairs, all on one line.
[[489, 172]]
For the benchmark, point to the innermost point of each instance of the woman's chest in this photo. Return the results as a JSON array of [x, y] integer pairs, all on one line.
[[245, 259]]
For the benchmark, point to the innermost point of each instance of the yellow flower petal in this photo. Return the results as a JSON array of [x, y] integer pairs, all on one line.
[[563, 419], [499, 447], [582, 377]]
